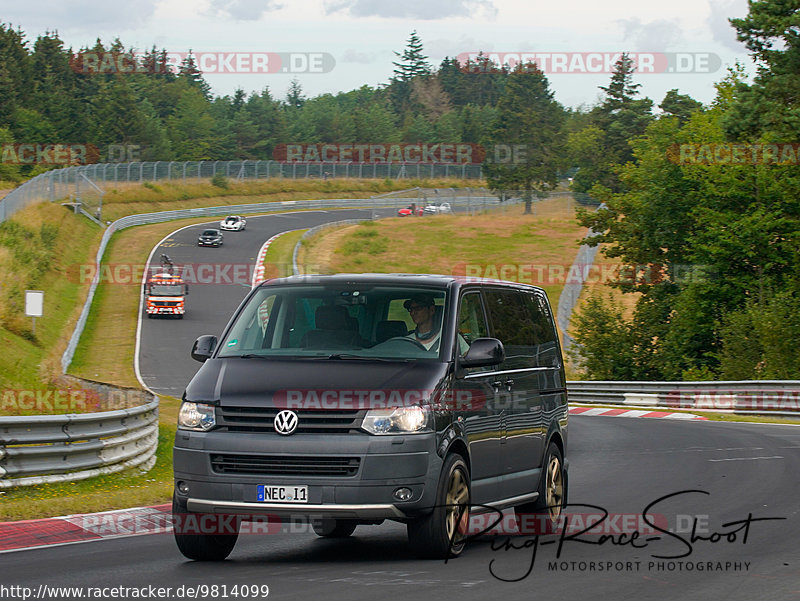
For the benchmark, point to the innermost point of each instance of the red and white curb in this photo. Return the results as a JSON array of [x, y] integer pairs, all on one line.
[[632, 413], [84, 527]]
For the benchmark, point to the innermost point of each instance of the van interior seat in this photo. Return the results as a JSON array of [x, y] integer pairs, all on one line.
[[390, 328], [333, 328]]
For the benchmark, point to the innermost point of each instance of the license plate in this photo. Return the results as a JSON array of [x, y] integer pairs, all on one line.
[[267, 493]]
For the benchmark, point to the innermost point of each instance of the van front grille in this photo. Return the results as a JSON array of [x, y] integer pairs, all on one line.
[[282, 465], [260, 419]]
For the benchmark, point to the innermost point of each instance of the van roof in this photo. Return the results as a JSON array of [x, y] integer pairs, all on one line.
[[411, 279]]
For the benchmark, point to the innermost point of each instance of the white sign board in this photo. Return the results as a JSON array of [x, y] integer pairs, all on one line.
[[34, 303]]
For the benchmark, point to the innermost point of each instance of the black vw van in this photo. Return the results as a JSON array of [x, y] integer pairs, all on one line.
[[353, 399]]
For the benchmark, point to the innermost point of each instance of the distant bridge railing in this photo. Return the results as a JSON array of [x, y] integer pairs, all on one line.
[[71, 182]]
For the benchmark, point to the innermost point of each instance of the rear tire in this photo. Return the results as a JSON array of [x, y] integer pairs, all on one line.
[[331, 528], [441, 534], [201, 547], [545, 512]]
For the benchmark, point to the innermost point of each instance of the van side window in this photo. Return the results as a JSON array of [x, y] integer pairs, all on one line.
[[511, 324], [471, 322], [545, 339]]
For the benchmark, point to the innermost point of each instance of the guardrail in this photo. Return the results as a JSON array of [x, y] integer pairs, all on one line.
[[43, 449], [776, 397]]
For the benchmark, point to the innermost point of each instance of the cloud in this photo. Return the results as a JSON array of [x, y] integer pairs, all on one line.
[[243, 10], [721, 30], [353, 56], [655, 36], [79, 15], [414, 9]]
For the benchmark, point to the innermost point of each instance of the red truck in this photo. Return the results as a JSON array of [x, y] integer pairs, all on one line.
[[165, 291]]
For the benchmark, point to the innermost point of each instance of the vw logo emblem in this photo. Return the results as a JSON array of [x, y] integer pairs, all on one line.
[[285, 422]]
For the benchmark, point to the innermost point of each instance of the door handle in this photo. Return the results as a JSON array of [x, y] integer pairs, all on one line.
[[509, 384]]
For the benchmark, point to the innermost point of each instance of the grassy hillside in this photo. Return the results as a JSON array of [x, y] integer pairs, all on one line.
[[505, 244]]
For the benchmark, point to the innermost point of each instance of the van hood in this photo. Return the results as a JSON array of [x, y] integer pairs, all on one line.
[[275, 382]]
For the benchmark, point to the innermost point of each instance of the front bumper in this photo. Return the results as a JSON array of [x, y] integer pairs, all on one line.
[[385, 464], [165, 310]]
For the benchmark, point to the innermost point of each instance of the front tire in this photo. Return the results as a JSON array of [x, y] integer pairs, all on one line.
[[201, 547], [548, 508], [442, 533]]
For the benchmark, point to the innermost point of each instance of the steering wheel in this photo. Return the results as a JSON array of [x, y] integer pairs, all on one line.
[[411, 340]]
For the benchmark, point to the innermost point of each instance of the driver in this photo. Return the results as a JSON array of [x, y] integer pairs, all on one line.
[[422, 309]]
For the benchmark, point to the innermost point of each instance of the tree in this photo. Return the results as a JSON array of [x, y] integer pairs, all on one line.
[[428, 92], [15, 73], [679, 105], [191, 128], [375, 124], [294, 97], [191, 74], [526, 136], [619, 118], [413, 62]]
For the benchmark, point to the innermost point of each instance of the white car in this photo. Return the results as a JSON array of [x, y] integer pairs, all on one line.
[[433, 209], [233, 223]]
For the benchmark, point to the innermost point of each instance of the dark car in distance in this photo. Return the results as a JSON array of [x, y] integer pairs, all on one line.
[[210, 238], [347, 400]]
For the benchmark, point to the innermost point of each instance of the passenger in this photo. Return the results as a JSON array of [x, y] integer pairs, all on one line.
[[422, 309]]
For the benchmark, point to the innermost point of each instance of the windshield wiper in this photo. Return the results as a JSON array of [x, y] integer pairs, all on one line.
[[362, 357]]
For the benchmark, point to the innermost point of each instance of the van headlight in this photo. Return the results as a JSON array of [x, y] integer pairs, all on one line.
[[196, 416], [402, 420]]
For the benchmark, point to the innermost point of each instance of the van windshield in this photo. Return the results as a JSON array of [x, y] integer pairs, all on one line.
[[339, 321]]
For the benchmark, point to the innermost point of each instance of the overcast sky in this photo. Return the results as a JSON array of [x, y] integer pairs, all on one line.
[[687, 44]]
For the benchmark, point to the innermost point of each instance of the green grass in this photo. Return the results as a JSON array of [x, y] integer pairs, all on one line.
[[278, 258], [29, 261], [503, 244]]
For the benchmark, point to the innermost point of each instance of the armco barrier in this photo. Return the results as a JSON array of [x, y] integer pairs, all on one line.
[[44, 449], [775, 397]]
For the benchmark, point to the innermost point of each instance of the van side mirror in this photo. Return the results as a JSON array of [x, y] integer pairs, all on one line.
[[483, 352], [203, 347], [186, 290]]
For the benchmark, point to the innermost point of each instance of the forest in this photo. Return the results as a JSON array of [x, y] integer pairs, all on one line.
[[702, 199]]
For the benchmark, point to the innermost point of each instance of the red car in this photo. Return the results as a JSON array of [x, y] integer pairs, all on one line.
[[411, 209]]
